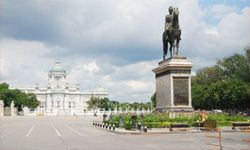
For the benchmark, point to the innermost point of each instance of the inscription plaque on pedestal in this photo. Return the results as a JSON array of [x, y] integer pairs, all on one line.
[[180, 85]]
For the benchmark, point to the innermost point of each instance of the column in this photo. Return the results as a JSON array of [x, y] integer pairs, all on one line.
[[12, 109], [1, 108], [48, 104]]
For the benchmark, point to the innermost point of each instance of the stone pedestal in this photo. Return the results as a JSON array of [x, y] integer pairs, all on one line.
[[173, 85]]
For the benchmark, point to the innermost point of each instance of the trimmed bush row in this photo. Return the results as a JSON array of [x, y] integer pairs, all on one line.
[[157, 120]]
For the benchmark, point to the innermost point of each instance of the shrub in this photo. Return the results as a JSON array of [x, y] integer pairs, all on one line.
[[157, 124], [210, 123], [162, 120], [127, 123], [226, 120]]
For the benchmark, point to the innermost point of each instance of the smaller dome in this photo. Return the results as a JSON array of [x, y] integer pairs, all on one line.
[[57, 67]]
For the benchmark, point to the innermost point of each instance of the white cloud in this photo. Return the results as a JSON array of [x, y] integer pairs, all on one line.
[[91, 67], [116, 43], [136, 85], [24, 61], [123, 82]]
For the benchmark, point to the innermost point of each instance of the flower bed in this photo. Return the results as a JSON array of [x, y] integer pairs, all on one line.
[[162, 120]]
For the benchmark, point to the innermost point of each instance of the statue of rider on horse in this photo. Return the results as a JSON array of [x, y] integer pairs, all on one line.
[[172, 33]]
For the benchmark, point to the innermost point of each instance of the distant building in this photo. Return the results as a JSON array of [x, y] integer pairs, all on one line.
[[60, 98]]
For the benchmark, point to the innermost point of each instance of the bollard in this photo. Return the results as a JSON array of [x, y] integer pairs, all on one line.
[[113, 126], [145, 129], [110, 127], [106, 126], [102, 125], [142, 129]]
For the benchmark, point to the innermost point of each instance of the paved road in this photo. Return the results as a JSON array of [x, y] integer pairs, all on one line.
[[77, 133]]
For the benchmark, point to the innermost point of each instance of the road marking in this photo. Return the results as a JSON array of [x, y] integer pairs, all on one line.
[[57, 132], [79, 133], [30, 130]]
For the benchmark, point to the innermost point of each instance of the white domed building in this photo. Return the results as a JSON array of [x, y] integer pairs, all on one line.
[[60, 98]]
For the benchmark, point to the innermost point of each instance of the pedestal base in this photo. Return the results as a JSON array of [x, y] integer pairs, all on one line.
[[174, 109], [173, 85]]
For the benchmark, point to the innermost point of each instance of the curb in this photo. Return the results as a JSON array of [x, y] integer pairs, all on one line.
[[165, 132]]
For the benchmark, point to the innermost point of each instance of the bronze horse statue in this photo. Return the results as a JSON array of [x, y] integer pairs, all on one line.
[[172, 36]]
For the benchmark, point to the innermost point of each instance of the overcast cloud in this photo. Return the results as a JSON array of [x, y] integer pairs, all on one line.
[[113, 43]]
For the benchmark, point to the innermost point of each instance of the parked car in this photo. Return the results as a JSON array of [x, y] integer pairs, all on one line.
[[217, 111], [20, 113]]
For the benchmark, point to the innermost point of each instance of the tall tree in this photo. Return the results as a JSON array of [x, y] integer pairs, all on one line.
[[225, 85], [18, 97], [153, 100]]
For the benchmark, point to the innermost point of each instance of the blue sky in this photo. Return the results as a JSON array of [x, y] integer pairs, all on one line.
[[114, 44], [235, 3]]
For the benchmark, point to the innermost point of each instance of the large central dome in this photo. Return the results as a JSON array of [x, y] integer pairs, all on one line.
[[57, 67]]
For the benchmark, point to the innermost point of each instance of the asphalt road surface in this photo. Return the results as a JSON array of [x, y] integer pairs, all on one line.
[[77, 133]]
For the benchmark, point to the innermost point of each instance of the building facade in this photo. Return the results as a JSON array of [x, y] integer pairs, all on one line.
[[60, 98]]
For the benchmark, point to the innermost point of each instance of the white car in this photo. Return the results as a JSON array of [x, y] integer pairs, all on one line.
[[217, 111]]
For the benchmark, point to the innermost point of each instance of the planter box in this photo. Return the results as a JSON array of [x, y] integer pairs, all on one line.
[[179, 127], [241, 125]]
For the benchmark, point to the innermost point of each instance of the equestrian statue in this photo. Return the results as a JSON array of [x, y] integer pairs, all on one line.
[[172, 34]]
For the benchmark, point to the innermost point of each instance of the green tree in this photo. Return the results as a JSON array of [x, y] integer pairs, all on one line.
[[114, 104], [153, 100], [32, 101], [235, 67], [97, 102], [18, 97], [93, 103], [208, 75], [103, 103], [125, 106], [225, 85], [233, 95]]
